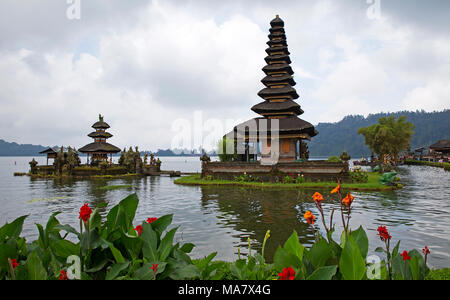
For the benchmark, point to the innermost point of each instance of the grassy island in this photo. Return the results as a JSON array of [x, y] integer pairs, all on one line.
[[372, 183]]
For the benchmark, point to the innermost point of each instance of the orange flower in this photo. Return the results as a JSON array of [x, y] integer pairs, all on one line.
[[310, 218], [336, 189], [348, 199], [317, 197]]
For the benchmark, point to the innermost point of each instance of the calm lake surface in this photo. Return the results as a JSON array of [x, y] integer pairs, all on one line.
[[222, 218]]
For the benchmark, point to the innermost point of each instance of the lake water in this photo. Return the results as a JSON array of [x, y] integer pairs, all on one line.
[[222, 218]]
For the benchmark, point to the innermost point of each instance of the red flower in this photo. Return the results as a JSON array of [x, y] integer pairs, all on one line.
[[155, 268], [426, 250], [287, 274], [405, 255], [348, 200], [383, 233], [14, 263], [139, 229], [85, 212], [63, 275], [151, 220]]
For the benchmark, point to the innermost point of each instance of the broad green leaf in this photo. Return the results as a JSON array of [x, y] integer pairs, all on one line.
[[360, 237], [150, 240], [352, 265], [115, 270], [51, 223], [34, 267], [187, 248], [284, 259], [319, 253], [162, 223], [166, 244], [323, 273], [185, 272], [293, 245], [13, 229], [68, 229], [7, 251], [65, 248]]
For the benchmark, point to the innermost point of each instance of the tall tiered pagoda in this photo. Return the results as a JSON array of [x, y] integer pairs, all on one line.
[[279, 104], [99, 149]]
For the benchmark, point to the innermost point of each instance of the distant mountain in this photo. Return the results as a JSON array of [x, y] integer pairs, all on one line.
[[333, 138], [14, 149]]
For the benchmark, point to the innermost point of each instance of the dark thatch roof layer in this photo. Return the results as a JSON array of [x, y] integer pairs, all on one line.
[[278, 68], [99, 147], [277, 42], [48, 150], [283, 57], [273, 107], [278, 79], [273, 92], [100, 125], [277, 22], [283, 49], [441, 145], [289, 125], [100, 134]]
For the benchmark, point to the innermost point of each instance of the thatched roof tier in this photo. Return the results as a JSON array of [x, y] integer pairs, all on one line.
[[100, 134], [271, 108], [289, 126], [281, 42], [282, 91], [275, 58], [277, 34], [99, 147], [278, 68], [48, 151], [277, 50], [277, 22], [442, 145], [284, 78]]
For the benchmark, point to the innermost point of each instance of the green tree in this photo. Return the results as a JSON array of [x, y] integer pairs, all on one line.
[[389, 136]]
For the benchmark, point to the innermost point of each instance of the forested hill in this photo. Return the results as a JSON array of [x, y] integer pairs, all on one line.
[[333, 138], [14, 149]]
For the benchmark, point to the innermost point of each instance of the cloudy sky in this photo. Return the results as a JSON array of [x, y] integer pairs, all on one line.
[[159, 70]]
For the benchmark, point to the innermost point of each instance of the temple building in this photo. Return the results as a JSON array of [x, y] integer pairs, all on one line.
[[279, 121], [99, 149]]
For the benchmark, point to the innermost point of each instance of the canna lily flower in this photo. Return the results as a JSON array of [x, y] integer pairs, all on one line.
[[317, 197], [85, 212], [383, 233], [310, 218], [63, 275], [139, 229], [13, 263], [426, 250], [151, 220], [348, 199], [336, 189], [405, 255], [287, 274], [154, 268]]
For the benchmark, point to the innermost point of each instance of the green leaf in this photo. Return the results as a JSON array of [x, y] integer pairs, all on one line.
[[65, 248], [150, 240], [320, 252], [34, 267], [115, 270], [68, 229], [360, 237], [323, 273], [166, 244], [187, 248], [351, 264], [293, 245], [162, 223], [7, 251], [284, 259], [146, 272], [13, 229], [184, 272]]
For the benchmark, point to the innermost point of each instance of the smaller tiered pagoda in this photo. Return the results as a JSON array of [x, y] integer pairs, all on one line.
[[99, 149]]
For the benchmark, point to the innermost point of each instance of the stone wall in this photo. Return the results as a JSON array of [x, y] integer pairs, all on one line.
[[310, 170]]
